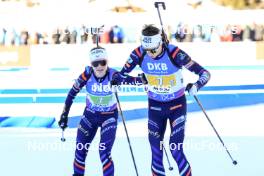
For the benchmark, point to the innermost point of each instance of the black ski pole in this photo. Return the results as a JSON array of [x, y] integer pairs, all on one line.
[[124, 123], [164, 36], [170, 167], [165, 40], [201, 106], [62, 136]]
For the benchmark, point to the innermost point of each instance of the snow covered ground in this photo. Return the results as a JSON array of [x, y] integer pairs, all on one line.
[[39, 151]]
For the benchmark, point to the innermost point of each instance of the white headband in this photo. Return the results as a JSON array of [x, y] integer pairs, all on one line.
[[98, 54], [151, 42]]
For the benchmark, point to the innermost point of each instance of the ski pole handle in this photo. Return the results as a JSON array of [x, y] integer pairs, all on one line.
[[164, 36], [158, 3]]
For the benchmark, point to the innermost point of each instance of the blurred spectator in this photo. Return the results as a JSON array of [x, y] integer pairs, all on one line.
[[256, 32], [2, 36], [213, 35], [227, 34], [197, 34], [24, 37], [246, 33], [56, 36], [94, 39], [180, 33], [188, 32], [104, 37], [65, 36], [73, 36], [35, 38], [44, 39], [84, 34], [208, 33], [116, 34], [11, 37], [237, 33]]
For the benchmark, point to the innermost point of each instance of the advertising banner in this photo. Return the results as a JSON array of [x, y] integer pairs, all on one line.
[[260, 50], [15, 56]]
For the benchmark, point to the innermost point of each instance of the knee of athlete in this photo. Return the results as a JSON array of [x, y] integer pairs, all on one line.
[[109, 127], [177, 132], [82, 147], [177, 135], [178, 126]]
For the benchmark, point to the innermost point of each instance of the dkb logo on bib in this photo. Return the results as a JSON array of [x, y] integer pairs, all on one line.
[[157, 66]]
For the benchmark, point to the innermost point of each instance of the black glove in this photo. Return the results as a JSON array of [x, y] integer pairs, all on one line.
[[192, 89], [63, 122], [143, 78], [115, 80]]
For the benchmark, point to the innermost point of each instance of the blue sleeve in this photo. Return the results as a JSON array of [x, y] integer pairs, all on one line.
[[183, 59], [77, 86], [132, 61], [127, 79]]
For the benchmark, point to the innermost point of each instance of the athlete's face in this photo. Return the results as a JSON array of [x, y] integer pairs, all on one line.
[[154, 53], [99, 68]]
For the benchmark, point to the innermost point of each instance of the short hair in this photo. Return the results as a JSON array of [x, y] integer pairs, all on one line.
[[150, 30]]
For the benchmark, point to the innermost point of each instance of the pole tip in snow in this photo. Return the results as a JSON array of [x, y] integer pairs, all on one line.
[[63, 139]]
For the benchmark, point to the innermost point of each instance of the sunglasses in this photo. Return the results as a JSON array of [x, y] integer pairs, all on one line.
[[154, 50], [101, 62]]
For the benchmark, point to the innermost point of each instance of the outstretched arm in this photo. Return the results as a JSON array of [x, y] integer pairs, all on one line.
[[131, 62], [77, 86], [119, 79]]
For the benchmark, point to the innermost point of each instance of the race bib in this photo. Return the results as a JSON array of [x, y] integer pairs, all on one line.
[[102, 101], [162, 83]]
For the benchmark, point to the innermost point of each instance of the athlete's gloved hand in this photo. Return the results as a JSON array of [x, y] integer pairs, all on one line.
[[143, 78], [63, 122], [192, 89], [115, 80]]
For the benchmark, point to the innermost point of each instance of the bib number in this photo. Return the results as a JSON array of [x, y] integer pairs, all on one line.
[[165, 81]]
